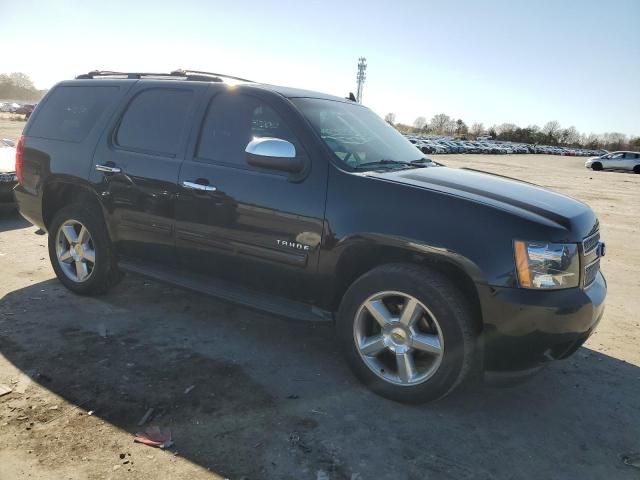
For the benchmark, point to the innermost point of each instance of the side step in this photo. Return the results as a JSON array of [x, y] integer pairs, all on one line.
[[227, 291]]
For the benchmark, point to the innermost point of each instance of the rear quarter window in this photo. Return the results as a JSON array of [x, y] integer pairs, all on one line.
[[70, 112]]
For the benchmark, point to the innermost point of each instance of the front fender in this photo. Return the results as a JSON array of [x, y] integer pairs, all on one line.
[[410, 247]]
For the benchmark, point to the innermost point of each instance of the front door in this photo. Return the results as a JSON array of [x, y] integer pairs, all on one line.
[[245, 224], [136, 167], [615, 160]]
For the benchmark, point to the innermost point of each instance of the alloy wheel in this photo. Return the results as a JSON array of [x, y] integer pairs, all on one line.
[[75, 251], [398, 338]]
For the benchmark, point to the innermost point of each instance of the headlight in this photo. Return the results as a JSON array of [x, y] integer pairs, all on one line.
[[547, 266]]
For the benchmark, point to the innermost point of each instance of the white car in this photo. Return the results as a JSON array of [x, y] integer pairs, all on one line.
[[8, 178], [615, 161]]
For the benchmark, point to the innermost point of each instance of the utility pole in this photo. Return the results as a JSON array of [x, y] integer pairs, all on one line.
[[362, 68]]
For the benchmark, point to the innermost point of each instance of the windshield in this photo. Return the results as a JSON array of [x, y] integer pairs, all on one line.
[[356, 135]]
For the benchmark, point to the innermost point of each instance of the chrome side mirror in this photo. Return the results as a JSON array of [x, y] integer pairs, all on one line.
[[274, 154]]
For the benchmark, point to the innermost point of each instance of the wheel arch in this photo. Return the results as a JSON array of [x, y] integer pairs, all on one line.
[[360, 255], [61, 191]]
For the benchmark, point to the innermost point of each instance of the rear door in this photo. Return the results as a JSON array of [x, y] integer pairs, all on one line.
[[136, 166], [245, 224]]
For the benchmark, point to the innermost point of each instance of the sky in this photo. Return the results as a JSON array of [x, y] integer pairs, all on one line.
[[492, 61]]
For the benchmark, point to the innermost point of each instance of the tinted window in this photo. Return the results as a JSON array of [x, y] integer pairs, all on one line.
[[69, 113], [155, 121], [232, 121]]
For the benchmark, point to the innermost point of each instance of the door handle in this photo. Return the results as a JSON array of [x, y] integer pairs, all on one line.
[[198, 186], [107, 169]]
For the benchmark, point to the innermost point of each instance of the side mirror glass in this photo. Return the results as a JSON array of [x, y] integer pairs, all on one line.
[[274, 154]]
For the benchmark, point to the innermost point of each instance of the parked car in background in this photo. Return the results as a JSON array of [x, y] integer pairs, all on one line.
[[26, 110], [444, 144], [615, 161], [8, 178]]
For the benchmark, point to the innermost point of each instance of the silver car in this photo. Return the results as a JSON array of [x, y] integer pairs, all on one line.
[[615, 161]]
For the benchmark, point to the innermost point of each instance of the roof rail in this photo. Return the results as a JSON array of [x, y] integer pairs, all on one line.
[[193, 75], [198, 73]]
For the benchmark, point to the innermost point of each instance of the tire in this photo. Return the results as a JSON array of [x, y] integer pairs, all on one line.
[[98, 275], [597, 166], [636, 169], [444, 317]]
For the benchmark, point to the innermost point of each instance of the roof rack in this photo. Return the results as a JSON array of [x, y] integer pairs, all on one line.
[[198, 74], [192, 75]]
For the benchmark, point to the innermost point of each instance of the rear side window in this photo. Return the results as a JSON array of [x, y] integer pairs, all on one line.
[[155, 121], [232, 121], [70, 112]]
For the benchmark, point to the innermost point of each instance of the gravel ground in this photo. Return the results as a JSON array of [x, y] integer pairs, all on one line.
[[11, 125], [271, 398]]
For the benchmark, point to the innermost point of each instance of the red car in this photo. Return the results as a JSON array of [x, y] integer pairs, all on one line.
[[25, 110]]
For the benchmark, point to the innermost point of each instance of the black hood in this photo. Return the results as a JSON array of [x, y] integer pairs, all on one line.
[[500, 192]]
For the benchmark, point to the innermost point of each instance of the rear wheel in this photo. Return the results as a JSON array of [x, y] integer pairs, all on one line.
[[636, 169], [597, 166], [407, 332], [80, 250]]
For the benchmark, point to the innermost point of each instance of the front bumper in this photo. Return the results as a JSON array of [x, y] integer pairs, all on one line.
[[523, 329]]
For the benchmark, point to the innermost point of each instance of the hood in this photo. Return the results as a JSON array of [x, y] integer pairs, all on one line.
[[498, 191], [7, 159]]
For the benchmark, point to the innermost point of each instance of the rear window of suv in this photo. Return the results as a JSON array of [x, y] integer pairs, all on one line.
[[70, 112]]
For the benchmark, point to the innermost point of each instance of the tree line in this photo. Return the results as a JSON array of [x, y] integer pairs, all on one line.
[[551, 133], [18, 86]]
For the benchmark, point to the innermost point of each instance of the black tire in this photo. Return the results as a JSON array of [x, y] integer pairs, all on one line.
[[636, 169], [105, 273], [448, 306], [597, 166]]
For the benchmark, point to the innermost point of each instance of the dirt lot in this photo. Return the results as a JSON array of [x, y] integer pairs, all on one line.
[[272, 398], [11, 125]]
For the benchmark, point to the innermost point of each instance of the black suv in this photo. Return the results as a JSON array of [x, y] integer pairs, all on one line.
[[311, 207]]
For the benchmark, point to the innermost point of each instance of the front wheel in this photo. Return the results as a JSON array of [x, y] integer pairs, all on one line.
[[597, 166], [636, 169], [408, 333], [80, 250]]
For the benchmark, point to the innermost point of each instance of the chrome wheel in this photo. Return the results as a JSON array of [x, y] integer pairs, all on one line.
[[398, 338], [75, 251]]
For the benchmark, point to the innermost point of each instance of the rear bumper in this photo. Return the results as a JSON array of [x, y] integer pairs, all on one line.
[[29, 206], [525, 329]]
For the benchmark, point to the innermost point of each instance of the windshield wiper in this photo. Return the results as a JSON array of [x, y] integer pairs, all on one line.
[[382, 163], [423, 161]]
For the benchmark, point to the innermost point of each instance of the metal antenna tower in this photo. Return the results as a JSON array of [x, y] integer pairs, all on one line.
[[362, 68]]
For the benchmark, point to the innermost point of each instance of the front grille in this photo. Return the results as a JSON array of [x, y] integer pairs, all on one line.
[[590, 272], [590, 243], [591, 256]]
